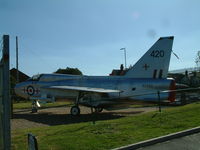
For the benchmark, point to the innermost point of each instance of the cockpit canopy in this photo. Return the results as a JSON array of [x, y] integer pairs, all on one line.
[[52, 77], [35, 77]]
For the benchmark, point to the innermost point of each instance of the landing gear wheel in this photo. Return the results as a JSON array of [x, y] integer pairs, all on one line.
[[34, 107], [98, 109], [75, 111]]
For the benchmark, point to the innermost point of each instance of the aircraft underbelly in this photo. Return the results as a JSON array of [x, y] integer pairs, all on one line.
[[62, 94]]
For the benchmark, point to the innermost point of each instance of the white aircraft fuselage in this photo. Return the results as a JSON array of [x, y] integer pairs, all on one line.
[[145, 81], [140, 89]]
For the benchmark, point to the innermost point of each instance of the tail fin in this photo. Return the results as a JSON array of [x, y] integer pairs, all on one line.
[[155, 62]]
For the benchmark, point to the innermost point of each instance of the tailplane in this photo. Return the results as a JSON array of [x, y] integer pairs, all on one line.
[[155, 62]]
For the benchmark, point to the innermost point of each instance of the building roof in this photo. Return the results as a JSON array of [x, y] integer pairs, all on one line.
[[22, 76]]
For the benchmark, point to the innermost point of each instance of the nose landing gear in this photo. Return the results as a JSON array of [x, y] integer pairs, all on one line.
[[35, 105]]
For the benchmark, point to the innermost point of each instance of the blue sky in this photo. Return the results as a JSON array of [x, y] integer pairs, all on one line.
[[88, 34]]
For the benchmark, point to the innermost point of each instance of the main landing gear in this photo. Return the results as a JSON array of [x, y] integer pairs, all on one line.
[[98, 109], [75, 111]]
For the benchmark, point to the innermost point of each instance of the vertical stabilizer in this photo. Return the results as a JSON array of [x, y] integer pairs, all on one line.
[[155, 62]]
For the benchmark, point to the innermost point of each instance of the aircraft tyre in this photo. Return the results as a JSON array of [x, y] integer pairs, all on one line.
[[75, 111], [34, 110]]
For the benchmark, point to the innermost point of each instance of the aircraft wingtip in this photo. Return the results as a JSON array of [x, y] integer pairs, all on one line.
[[168, 37]]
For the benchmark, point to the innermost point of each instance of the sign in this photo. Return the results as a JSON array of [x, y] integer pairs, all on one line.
[[32, 142]]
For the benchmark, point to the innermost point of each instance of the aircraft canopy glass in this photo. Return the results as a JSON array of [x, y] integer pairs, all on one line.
[[35, 77]]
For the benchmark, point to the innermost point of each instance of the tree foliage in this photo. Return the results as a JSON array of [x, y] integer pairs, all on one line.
[[68, 70], [197, 59]]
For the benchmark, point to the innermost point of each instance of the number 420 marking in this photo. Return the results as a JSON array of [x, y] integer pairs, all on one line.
[[157, 53]]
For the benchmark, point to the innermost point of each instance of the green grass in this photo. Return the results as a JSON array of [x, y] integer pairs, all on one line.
[[111, 133], [27, 105]]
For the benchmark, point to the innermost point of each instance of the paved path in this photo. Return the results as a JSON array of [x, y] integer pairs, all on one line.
[[190, 142]]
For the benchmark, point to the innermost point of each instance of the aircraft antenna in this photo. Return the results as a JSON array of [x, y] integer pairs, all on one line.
[[175, 54]]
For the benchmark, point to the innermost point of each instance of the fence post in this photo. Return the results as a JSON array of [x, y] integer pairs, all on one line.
[[5, 97]]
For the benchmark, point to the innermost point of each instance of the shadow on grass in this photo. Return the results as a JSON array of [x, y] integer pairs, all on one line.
[[60, 119], [43, 107]]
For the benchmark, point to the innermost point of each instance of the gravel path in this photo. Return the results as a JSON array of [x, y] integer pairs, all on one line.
[[24, 119]]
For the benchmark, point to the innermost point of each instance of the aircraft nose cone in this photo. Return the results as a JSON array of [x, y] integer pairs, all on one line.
[[19, 90]]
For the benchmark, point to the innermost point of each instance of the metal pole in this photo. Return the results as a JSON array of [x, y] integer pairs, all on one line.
[[17, 59], [159, 102], [124, 49], [125, 57]]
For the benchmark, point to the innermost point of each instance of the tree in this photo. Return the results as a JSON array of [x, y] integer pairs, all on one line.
[[68, 70], [197, 59]]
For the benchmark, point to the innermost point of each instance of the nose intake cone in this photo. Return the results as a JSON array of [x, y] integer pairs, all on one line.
[[19, 90]]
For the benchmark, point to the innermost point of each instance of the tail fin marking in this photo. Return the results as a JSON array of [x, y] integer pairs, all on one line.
[[155, 62]]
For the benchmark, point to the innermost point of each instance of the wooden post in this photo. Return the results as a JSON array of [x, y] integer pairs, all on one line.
[[6, 95]]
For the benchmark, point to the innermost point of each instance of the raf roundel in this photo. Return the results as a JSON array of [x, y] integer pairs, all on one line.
[[30, 90]]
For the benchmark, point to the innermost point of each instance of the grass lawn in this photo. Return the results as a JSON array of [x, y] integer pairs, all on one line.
[[111, 133]]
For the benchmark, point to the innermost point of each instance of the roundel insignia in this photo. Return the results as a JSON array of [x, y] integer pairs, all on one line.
[[30, 90]]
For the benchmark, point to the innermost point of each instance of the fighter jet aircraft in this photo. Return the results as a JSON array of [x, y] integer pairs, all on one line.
[[142, 82]]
